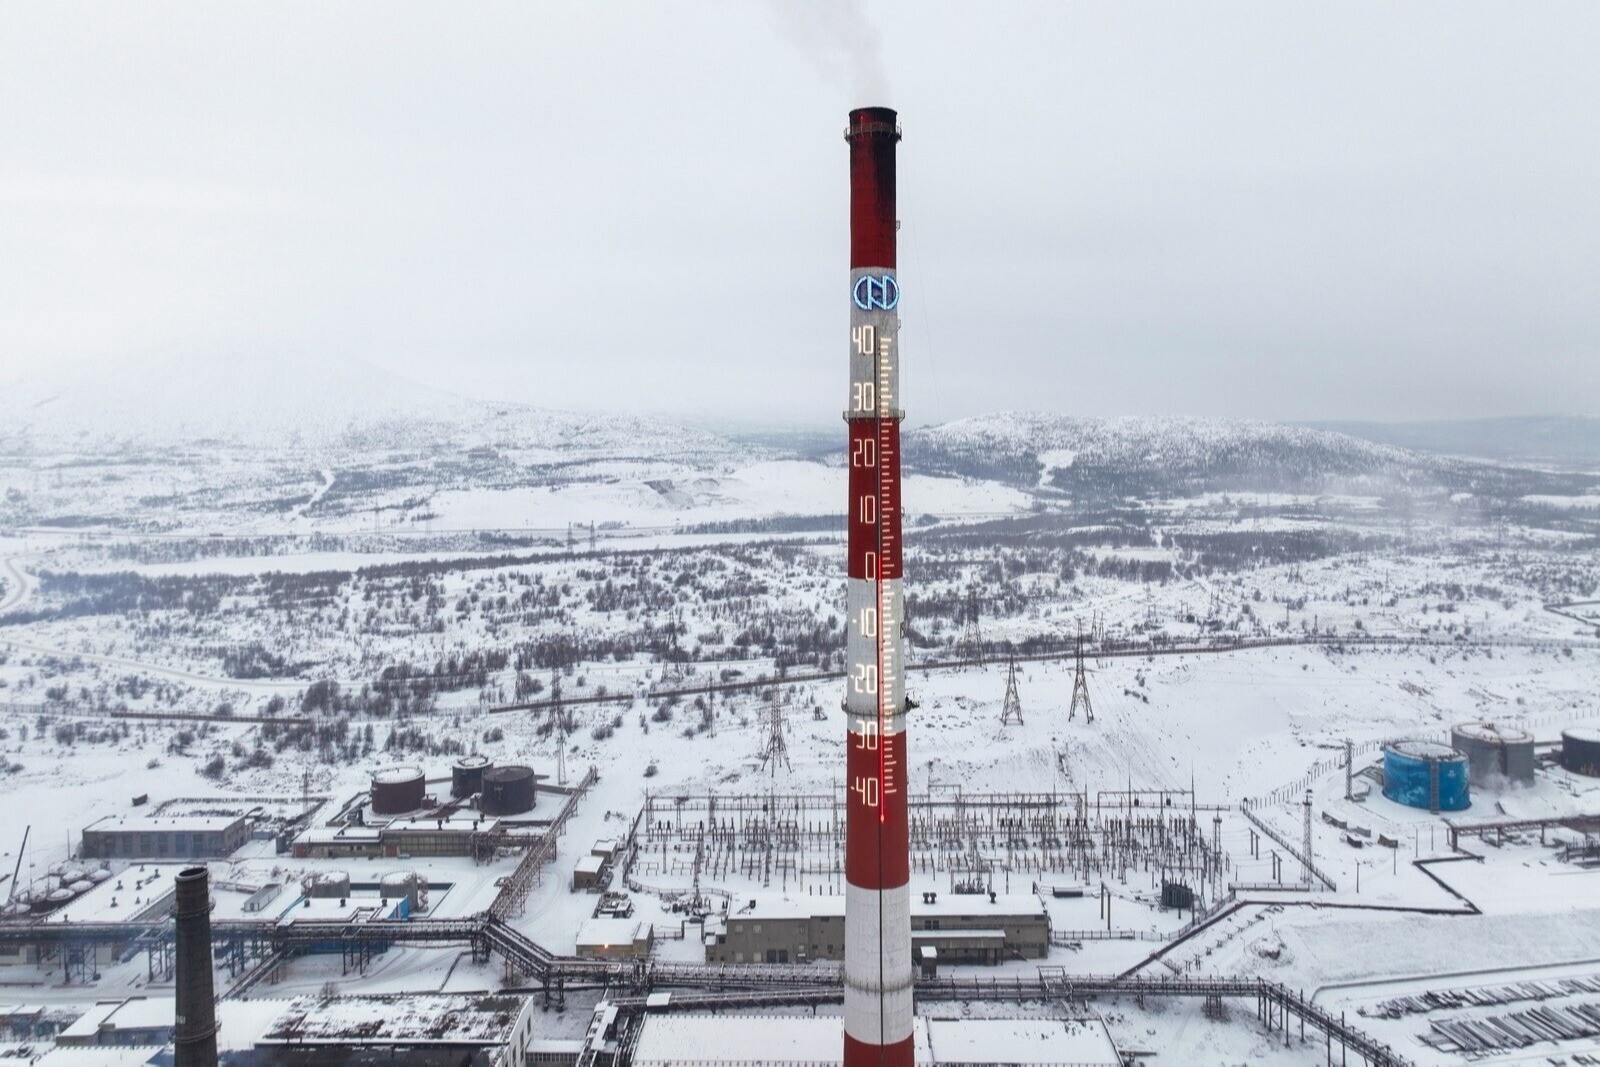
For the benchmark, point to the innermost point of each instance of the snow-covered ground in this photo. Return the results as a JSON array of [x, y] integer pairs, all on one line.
[[157, 581]]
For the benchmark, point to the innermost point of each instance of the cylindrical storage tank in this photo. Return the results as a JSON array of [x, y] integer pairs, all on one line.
[[507, 791], [327, 884], [1495, 754], [397, 790], [1580, 750], [400, 885], [466, 777], [1426, 775]]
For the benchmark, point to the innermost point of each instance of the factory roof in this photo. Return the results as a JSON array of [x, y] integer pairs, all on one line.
[[458, 819], [150, 824], [334, 909], [332, 835], [772, 1041], [966, 905], [1078, 1042], [420, 1019], [128, 897], [672, 1040], [133, 1013], [590, 864], [600, 933], [98, 1056]]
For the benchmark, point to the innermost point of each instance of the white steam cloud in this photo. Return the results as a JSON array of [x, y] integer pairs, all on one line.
[[840, 41]]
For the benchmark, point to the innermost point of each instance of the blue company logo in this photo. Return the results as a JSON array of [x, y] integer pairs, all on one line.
[[873, 294]]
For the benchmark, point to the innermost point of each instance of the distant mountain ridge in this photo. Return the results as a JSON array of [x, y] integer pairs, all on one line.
[[1569, 440], [325, 403], [1135, 455]]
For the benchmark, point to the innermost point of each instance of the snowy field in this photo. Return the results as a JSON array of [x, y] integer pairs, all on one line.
[[396, 599]]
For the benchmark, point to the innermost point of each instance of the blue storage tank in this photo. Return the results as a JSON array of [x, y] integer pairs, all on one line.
[[1426, 775]]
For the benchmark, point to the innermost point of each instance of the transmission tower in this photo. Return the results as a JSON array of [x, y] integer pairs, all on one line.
[[777, 746], [558, 722], [1011, 709], [1080, 688], [972, 636]]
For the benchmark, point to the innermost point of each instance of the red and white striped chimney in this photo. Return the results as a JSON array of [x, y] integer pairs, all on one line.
[[877, 923]]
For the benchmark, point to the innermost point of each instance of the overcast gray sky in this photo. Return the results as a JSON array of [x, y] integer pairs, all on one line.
[[1281, 210]]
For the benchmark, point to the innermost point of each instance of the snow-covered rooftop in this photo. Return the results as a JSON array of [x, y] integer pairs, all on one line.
[[668, 1040], [776, 906], [1079, 1042], [134, 1013], [148, 824], [600, 933], [445, 1019]]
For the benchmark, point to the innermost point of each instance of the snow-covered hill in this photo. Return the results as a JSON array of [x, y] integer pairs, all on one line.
[[1116, 456], [305, 402]]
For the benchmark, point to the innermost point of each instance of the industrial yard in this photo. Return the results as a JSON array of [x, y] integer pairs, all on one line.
[[568, 688]]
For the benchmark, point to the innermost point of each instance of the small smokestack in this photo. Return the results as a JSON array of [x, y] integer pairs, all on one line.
[[194, 1035]]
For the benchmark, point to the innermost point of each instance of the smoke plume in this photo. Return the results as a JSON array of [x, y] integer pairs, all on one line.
[[840, 41]]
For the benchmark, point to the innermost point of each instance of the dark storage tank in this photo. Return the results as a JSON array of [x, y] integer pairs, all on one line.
[[1495, 754], [1580, 750], [507, 791], [397, 790], [466, 777]]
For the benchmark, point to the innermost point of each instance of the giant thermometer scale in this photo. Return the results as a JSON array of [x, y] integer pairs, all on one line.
[[877, 931]]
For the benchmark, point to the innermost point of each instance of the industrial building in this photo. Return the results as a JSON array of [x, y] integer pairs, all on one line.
[[457, 832], [614, 939], [588, 874], [960, 928], [1426, 775], [1496, 755], [131, 1021], [681, 1040], [488, 1028], [1580, 750], [165, 837]]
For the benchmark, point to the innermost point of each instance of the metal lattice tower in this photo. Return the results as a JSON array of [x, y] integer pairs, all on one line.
[[1349, 769], [558, 720], [1080, 688], [1306, 842], [1011, 708], [972, 635], [777, 746]]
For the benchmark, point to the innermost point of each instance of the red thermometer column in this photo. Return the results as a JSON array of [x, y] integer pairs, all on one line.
[[877, 924]]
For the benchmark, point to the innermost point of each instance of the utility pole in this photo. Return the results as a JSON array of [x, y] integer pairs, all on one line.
[[1307, 842], [559, 724]]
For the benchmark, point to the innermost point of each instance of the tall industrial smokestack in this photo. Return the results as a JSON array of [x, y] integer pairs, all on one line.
[[194, 1037], [877, 922]]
